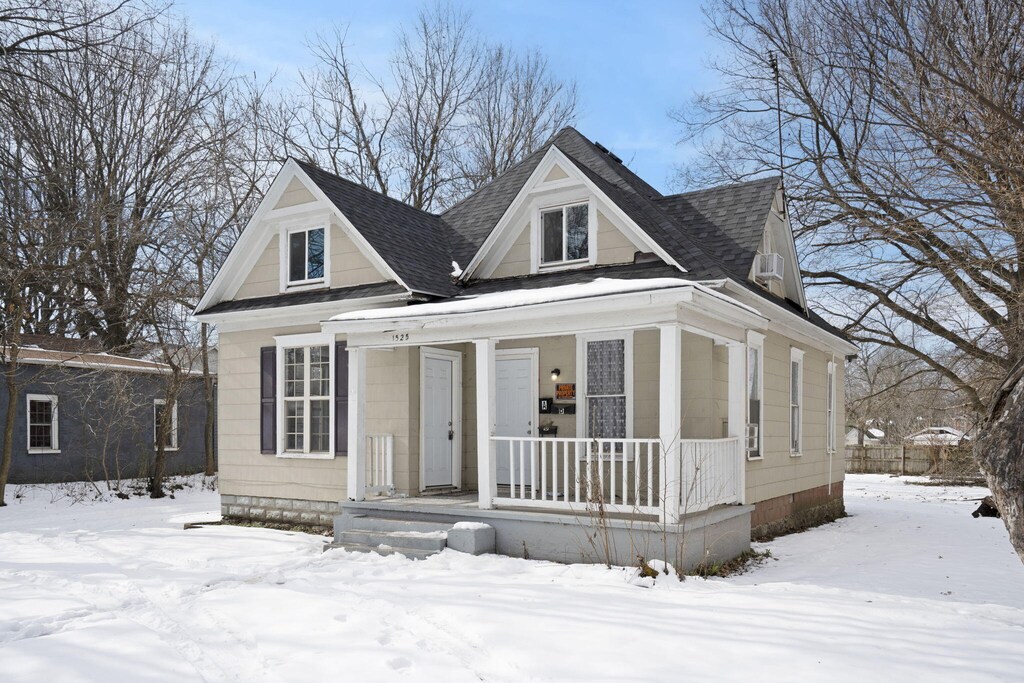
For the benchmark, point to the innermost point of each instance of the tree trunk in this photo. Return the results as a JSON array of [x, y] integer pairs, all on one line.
[[156, 481], [10, 380], [209, 401], [999, 451]]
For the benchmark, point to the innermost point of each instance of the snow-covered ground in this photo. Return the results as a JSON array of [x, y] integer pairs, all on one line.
[[908, 586]]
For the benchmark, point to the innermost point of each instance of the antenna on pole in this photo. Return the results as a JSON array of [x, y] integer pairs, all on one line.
[[773, 62]]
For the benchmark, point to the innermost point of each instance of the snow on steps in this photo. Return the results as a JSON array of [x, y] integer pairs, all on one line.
[[417, 540]]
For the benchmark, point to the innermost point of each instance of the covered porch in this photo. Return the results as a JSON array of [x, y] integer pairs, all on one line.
[[654, 431]]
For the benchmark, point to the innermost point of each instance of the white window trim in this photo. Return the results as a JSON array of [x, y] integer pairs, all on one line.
[[174, 425], [755, 340], [830, 407], [292, 341], [796, 356], [52, 400], [288, 228], [562, 201], [581, 377]]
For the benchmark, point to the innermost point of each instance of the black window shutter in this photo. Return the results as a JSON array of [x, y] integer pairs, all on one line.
[[268, 391], [340, 398]]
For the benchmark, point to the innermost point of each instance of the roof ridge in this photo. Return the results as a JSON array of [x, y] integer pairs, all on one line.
[[724, 186]]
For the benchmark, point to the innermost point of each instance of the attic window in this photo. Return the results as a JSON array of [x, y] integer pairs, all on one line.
[[565, 234], [305, 256]]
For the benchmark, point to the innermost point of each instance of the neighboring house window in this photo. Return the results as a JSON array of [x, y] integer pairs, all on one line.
[[307, 399], [305, 255], [171, 440], [42, 424], [565, 234], [755, 395], [796, 401], [607, 377], [830, 407]]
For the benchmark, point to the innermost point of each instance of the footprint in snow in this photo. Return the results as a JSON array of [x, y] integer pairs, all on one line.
[[399, 663]]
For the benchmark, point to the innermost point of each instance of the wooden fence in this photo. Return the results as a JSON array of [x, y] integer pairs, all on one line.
[[955, 461]]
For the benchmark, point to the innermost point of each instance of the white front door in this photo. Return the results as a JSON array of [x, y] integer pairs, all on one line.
[[514, 415], [438, 421]]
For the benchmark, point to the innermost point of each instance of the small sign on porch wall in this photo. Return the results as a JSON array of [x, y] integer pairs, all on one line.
[[565, 392]]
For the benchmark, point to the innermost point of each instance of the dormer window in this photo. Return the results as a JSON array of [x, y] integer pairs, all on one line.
[[565, 234], [305, 256]]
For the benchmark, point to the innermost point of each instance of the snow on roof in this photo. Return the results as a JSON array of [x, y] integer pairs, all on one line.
[[529, 297]]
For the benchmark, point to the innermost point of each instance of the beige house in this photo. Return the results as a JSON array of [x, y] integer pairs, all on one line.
[[566, 347]]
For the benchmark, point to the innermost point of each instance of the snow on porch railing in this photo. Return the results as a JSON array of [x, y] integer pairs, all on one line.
[[620, 475], [380, 451], [710, 473]]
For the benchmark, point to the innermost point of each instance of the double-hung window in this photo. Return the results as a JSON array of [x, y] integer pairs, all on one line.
[[42, 423], [796, 401], [755, 396], [306, 399], [171, 438], [565, 234], [306, 249]]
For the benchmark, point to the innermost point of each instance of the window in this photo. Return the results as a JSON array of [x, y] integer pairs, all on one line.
[[565, 234], [171, 441], [830, 407], [606, 371], [796, 396], [755, 393], [305, 256], [306, 399], [42, 423]]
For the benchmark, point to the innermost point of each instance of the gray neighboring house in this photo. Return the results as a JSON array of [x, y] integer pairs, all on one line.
[[86, 415]]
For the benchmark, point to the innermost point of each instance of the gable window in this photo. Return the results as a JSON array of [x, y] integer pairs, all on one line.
[[42, 423], [305, 256], [755, 393], [565, 234], [306, 399], [171, 439], [796, 400]]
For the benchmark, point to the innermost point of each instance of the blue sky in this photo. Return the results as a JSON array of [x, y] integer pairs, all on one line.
[[632, 61]]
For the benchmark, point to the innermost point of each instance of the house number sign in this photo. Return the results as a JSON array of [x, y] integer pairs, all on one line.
[[400, 337]]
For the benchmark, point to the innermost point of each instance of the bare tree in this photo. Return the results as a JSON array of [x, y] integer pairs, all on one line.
[[903, 129]]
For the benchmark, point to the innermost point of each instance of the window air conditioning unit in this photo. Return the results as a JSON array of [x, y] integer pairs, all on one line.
[[768, 267]]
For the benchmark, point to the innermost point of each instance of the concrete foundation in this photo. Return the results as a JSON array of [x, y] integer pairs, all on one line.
[[797, 511], [314, 513], [713, 536]]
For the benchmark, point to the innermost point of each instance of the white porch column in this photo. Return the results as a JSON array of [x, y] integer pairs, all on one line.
[[670, 419], [738, 412], [485, 423], [356, 424]]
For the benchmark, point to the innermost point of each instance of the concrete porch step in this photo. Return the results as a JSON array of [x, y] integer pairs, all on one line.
[[434, 541], [348, 522], [411, 553]]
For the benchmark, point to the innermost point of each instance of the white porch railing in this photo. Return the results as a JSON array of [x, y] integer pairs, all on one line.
[[710, 470], [380, 451], [617, 475]]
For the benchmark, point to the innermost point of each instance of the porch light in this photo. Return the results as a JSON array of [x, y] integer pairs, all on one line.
[[555, 374]]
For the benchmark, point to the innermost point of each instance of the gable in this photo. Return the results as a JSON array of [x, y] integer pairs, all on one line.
[[513, 247], [295, 193], [777, 238]]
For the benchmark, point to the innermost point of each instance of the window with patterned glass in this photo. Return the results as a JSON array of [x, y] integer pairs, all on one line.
[[307, 399], [606, 388], [565, 234], [42, 423], [305, 255]]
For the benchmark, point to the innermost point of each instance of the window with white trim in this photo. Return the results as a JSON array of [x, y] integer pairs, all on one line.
[[306, 399], [605, 372], [43, 423], [830, 407], [796, 401], [755, 397], [565, 234], [306, 262], [171, 440]]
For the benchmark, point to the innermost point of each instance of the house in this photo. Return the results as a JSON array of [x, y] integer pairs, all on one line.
[[867, 436], [937, 436], [86, 415], [564, 347]]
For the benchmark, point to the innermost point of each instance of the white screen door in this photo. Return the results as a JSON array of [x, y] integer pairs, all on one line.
[[514, 414]]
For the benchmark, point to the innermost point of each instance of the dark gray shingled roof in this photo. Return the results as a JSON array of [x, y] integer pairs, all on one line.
[[727, 221], [308, 297], [412, 242]]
